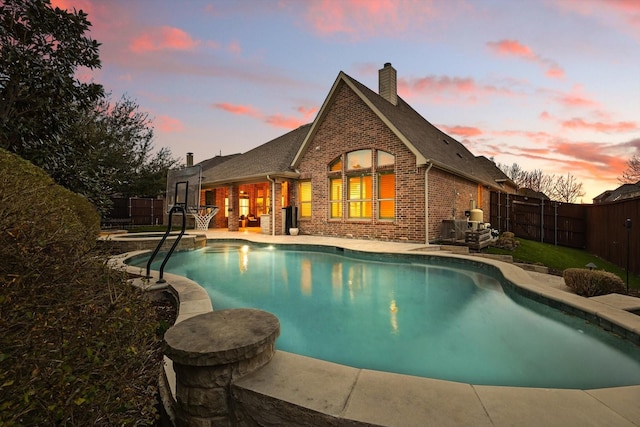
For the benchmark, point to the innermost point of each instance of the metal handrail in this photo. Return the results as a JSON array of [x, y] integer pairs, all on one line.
[[178, 207]]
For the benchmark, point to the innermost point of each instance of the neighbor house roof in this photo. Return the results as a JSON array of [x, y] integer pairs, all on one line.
[[271, 159], [625, 191], [427, 142]]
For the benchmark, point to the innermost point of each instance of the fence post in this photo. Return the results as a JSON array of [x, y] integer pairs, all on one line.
[[542, 220]]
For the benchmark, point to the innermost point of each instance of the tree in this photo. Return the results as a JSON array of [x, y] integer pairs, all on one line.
[[567, 189], [559, 188], [114, 154], [40, 50], [67, 127], [631, 175]]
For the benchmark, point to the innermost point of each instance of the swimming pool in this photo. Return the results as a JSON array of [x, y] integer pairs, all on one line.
[[440, 320]]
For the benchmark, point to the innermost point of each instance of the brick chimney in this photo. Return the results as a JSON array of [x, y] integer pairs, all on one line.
[[189, 159], [387, 83]]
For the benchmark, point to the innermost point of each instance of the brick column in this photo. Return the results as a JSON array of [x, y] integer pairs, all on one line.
[[208, 352]]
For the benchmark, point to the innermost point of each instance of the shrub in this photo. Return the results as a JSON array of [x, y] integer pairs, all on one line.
[[588, 283], [78, 346], [41, 222]]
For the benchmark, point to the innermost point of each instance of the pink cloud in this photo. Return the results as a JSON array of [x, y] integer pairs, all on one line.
[[512, 47], [307, 113], [234, 47], [463, 131], [580, 124], [277, 120], [508, 47], [576, 98], [365, 18], [445, 89], [280, 121], [241, 110], [623, 15], [169, 124], [163, 38]]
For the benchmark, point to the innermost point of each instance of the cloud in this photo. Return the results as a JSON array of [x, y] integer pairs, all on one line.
[[508, 47], [445, 89], [364, 18], [162, 38], [512, 47], [575, 98], [463, 131], [611, 127], [234, 48], [280, 121], [623, 15], [169, 124], [307, 112], [277, 120]]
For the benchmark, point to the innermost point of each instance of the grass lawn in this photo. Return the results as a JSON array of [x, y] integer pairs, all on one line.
[[558, 258]]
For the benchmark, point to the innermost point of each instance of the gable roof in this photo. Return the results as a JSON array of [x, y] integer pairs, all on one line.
[[427, 142], [271, 159], [625, 191]]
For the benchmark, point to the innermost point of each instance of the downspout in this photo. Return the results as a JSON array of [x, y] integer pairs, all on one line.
[[426, 203], [273, 205]]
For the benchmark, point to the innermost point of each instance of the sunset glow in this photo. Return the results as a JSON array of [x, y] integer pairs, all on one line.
[[550, 85]]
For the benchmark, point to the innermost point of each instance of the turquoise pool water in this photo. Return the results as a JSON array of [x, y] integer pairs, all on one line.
[[445, 320]]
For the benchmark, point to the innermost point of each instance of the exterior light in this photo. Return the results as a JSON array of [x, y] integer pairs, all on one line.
[[591, 266]]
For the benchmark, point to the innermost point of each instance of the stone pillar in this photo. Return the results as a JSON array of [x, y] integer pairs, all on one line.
[[208, 352]]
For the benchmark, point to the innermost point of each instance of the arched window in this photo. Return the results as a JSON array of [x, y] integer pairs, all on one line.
[[367, 183], [360, 159]]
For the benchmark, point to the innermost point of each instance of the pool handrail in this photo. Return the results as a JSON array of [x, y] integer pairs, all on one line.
[[177, 207]]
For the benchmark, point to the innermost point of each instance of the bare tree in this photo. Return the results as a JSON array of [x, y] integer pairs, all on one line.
[[535, 180], [567, 189], [631, 175]]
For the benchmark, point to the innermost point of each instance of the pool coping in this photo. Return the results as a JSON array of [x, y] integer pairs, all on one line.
[[328, 392]]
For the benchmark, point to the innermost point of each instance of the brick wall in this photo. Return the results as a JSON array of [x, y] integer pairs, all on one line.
[[450, 196], [350, 125]]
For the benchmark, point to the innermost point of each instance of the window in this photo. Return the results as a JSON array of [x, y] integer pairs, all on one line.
[[360, 159], [363, 193], [385, 159], [335, 197], [244, 206], [226, 207], [336, 165], [305, 199], [386, 195], [359, 197]]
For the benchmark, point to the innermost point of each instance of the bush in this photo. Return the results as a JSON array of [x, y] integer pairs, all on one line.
[[41, 222], [589, 283], [79, 346]]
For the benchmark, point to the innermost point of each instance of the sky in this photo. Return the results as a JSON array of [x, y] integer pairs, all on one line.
[[547, 84]]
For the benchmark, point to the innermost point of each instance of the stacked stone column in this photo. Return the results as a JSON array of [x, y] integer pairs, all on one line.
[[208, 352]]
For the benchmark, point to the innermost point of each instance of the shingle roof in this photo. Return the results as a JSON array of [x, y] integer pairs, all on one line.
[[429, 143], [273, 158], [625, 191], [435, 145]]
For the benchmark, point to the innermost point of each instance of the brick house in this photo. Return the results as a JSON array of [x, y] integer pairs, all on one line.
[[368, 166]]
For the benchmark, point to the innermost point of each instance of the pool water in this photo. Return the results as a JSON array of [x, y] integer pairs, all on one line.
[[431, 319]]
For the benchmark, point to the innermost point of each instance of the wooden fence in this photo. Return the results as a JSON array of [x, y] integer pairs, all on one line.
[[599, 229], [609, 236], [131, 211]]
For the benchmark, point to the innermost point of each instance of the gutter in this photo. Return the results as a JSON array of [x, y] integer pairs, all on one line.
[[253, 178], [426, 201]]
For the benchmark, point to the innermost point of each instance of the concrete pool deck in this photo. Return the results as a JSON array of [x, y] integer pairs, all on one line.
[[314, 392]]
